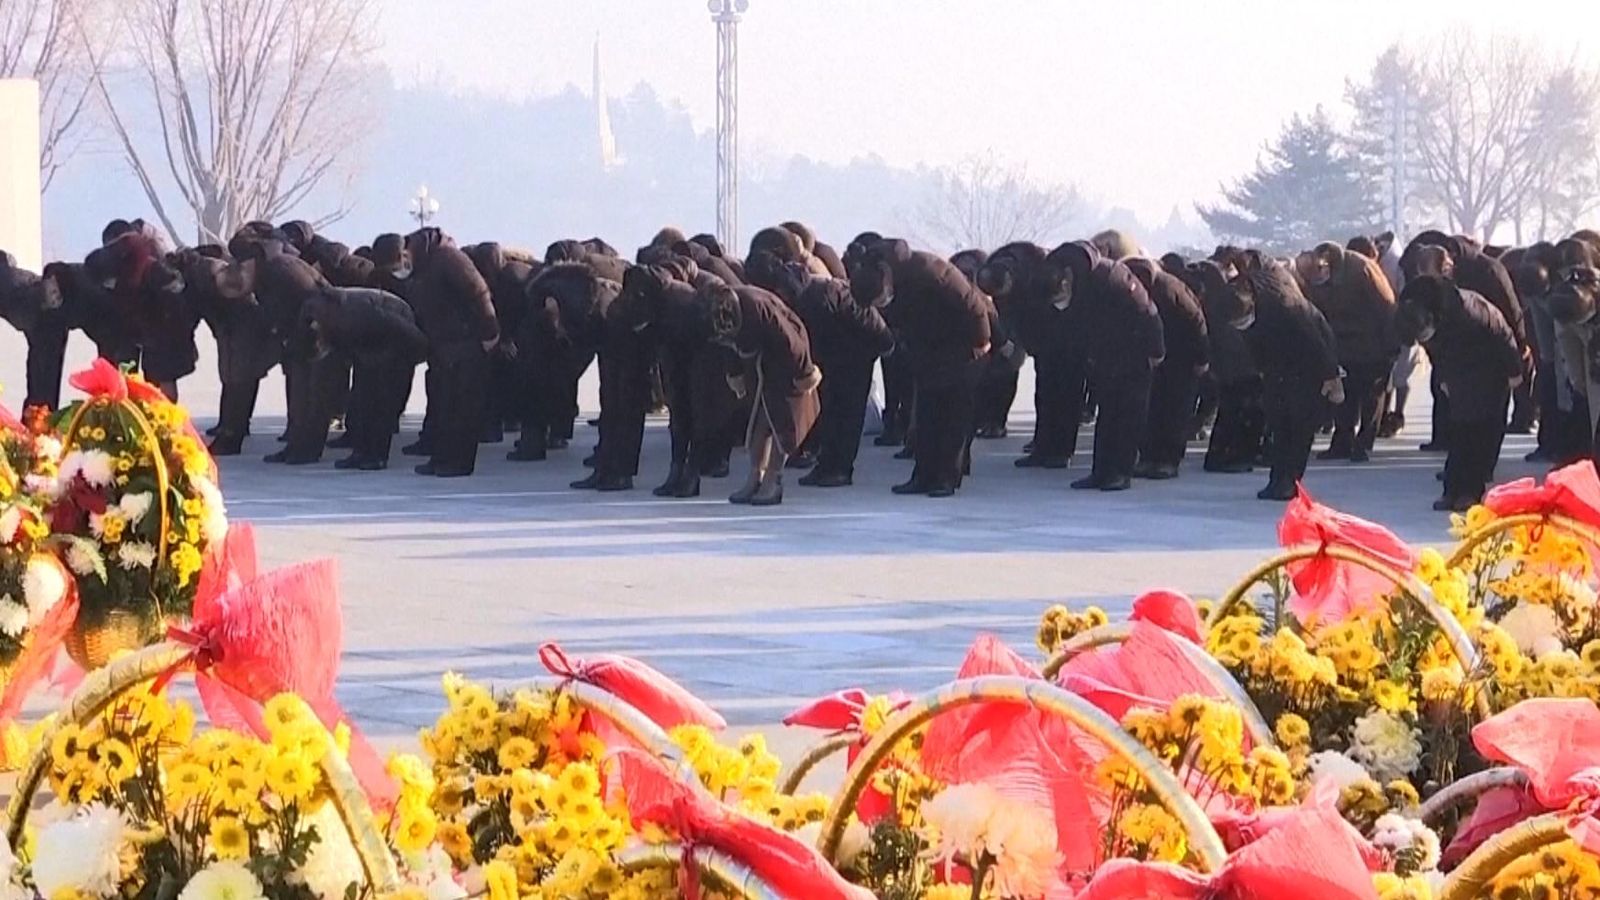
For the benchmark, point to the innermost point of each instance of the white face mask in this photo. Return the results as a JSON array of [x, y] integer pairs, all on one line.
[[1245, 323], [402, 273], [1426, 334]]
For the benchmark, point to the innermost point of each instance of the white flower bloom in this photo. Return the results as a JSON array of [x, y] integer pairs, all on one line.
[[1394, 833], [80, 853], [223, 881], [43, 586], [1334, 769], [136, 555], [1535, 627], [974, 819], [97, 468], [10, 524], [9, 889], [333, 865], [13, 617], [1578, 601], [47, 447], [83, 558], [134, 506], [1386, 745], [43, 486], [215, 523]]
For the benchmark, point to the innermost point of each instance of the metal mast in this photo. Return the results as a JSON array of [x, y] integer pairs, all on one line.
[[726, 14]]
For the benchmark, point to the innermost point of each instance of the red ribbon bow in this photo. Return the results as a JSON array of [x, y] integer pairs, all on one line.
[[661, 699], [1556, 743], [1329, 590]]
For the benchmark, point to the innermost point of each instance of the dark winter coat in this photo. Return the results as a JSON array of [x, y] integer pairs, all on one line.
[[1359, 306], [452, 302], [774, 338], [246, 347], [369, 326], [1120, 325], [841, 330], [942, 319], [1290, 341], [1231, 361], [1475, 354], [1183, 322], [1016, 277]]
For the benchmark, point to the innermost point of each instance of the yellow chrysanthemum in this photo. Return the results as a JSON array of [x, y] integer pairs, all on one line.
[[292, 777], [229, 838]]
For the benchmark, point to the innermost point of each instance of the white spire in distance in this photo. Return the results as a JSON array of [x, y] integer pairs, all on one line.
[[608, 141]]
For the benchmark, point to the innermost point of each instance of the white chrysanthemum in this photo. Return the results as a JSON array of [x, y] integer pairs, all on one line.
[[961, 814], [83, 558], [1394, 833], [47, 446], [10, 524], [13, 617], [223, 881], [94, 466], [1335, 770], [1578, 601], [43, 586], [973, 819], [43, 486], [333, 865], [215, 524], [136, 555], [134, 507], [1386, 745], [9, 889], [80, 853], [1535, 627]]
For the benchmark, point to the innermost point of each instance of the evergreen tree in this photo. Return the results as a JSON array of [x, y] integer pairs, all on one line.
[[1307, 188], [1390, 108]]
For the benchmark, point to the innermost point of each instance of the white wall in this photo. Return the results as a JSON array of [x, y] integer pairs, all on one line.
[[20, 224]]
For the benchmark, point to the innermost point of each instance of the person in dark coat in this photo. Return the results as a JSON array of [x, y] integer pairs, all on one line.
[[1123, 333], [824, 260], [706, 261], [1473, 270], [1293, 345], [1240, 425], [455, 310], [86, 305], [377, 332], [1479, 362], [895, 368], [246, 349], [508, 280], [1176, 387], [1355, 298], [33, 306], [944, 323], [779, 374], [1024, 293], [627, 359], [997, 392], [847, 339], [1563, 415], [271, 270], [559, 329], [133, 264]]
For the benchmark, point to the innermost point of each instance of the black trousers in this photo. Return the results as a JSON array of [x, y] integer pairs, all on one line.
[[1295, 410], [698, 400], [376, 400], [625, 399], [996, 393], [898, 394], [1124, 399], [944, 413], [1173, 395], [430, 412], [236, 407], [314, 391], [545, 392], [1525, 406], [1474, 452], [1058, 397], [1441, 412], [1241, 424], [846, 382], [47, 353], [461, 387], [338, 382], [1356, 420]]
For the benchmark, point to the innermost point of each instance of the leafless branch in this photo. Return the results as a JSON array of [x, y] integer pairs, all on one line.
[[980, 203]]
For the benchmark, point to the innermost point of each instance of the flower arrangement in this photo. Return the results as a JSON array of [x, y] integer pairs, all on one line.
[[134, 502]]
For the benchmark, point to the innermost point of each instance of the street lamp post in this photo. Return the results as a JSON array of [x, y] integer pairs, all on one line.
[[424, 206], [726, 14]]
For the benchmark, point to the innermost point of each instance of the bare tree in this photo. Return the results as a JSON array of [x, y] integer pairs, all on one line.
[[983, 204], [44, 40], [243, 107]]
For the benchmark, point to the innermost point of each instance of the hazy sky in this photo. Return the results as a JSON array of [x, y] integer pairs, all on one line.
[[1145, 103]]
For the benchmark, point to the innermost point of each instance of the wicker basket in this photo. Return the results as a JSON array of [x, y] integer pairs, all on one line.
[[121, 632]]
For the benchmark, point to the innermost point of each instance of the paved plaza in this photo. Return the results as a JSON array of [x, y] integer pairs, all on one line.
[[755, 610]]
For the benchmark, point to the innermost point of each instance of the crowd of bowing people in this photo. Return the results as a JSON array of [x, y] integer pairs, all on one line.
[[777, 352]]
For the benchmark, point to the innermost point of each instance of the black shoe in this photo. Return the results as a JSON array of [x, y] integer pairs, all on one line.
[[1028, 447], [1089, 483], [801, 461], [906, 453], [588, 461], [768, 498], [494, 436], [1032, 461], [683, 489], [910, 488], [1334, 453], [342, 442], [1120, 483], [523, 454], [427, 470], [827, 479], [613, 484], [353, 461], [718, 469], [586, 484], [594, 423], [557, 443], [1278, 492], [1539, 455], [213, 431], [1144, 469], [1162, 473], [941, 492], [372, 464], [279, 457], [226, 446], [1444, 504], [452, 472], [420, 448], [671, 484], [1434, 447], [1360, 456], [889, 439]]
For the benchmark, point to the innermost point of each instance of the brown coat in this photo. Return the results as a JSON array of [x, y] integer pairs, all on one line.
[[944, 320], [773, 332], [453, 303], [1359, 305]]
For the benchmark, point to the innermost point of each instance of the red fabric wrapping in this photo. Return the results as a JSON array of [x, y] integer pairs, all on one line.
[[101, 380], [791, 867], [1026, 754], [1317, 854], [11, 423], [226, 566], [663, 700], [1328, 590], [1150, 668], [1171, 610], [1556, 742], [841, 712], [1570, 491], [38, 658], [279, 633], [1496, 810]]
